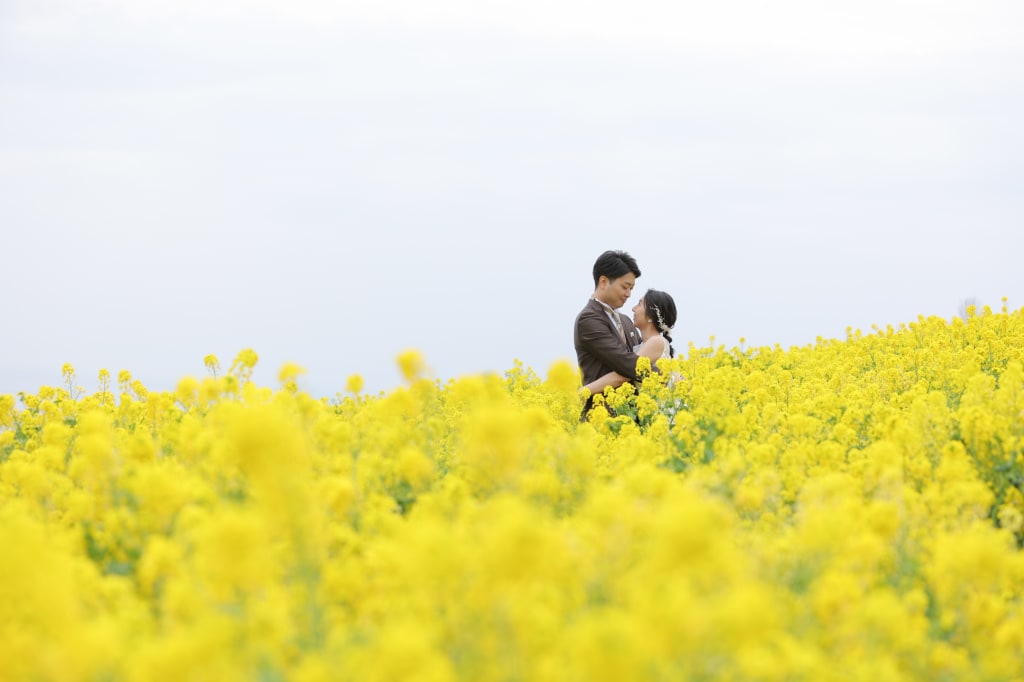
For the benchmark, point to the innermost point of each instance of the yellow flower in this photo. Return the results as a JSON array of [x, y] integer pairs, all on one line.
[[187, 391], [243, 365], [289, 372], [412, 365], [354, 384], [234, 553], [212, 364], [415, 467], [564, 376], [95, 461], [851, 505], [161, 558]]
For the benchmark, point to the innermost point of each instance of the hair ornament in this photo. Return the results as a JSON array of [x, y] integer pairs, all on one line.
[[662, 327]]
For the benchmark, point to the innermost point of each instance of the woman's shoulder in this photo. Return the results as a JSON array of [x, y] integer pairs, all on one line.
[[664, 346], [655, 345]]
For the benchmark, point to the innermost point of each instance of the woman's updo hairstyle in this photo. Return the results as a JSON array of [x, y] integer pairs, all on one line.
[[661, 310]]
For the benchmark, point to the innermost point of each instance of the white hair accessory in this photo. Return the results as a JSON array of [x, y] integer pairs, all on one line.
[[662, 327]]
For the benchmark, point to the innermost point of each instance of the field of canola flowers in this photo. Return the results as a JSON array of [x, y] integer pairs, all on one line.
[[848, 510]]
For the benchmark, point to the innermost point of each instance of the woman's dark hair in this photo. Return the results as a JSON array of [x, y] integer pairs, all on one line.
[[614, 264], [661, 310]]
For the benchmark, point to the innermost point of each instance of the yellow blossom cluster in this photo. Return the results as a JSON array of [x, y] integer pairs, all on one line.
[[847, 510]]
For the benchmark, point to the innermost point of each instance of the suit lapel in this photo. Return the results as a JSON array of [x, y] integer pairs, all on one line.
[[628, 342], [631, 336], [604, 316], [627, 337]]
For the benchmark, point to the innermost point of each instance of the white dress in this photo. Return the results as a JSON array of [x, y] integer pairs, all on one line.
[[665, 349]]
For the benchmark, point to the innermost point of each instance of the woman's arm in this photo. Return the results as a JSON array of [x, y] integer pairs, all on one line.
[[613, 379]]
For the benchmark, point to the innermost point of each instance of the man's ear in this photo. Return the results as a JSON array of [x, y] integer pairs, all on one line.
[[603, 282]]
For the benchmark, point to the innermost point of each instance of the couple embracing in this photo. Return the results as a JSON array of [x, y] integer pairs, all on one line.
[[608, 342]]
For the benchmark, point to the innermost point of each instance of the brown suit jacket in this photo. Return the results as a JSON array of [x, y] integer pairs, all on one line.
[[599, 348]]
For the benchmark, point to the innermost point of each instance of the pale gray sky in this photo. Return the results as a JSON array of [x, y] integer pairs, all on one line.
[[331, 183]]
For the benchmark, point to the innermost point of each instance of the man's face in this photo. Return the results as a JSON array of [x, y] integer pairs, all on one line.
[[615, 292]]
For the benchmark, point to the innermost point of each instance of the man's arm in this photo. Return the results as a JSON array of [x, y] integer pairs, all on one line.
[[601, 342]]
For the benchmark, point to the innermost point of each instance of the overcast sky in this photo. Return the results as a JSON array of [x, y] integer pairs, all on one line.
[[330, 183]]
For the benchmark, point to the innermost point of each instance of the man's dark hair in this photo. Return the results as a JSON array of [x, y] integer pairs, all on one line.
[[614, 264]]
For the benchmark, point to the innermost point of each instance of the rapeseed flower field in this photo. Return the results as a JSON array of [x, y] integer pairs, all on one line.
[[847, 510]]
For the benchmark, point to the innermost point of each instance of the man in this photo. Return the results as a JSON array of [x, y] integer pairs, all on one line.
[[605, 338]]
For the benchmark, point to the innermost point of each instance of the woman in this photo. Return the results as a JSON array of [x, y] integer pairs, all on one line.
[[654, 315]]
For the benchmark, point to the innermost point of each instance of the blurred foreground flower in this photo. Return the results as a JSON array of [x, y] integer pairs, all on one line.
[[412, 365]]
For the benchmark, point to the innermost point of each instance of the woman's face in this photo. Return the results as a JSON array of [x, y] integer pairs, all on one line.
[[640, 312]]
